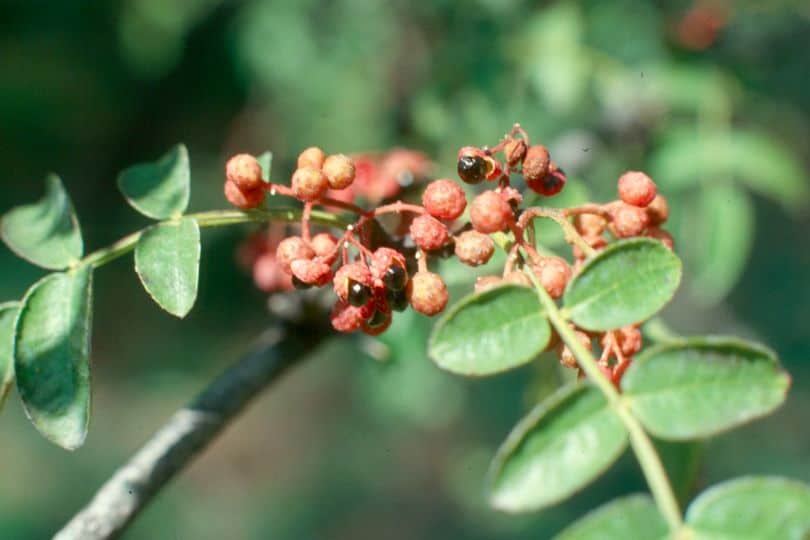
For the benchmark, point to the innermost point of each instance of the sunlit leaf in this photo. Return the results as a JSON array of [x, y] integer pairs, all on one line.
[[46, 232], [625, 283], [751, 508], [8, 315], [559, 447], [52, 356], [627, 518], [490, 332], [167, 260], [159, 189], [700, 386]]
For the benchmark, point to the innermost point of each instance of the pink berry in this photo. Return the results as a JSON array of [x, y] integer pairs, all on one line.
[[444, 199], [428, 232], [291, 249], [489, 213], [636, 188], [244, 171], [243, 199], [309, 184], [427, 293], [473, 248]]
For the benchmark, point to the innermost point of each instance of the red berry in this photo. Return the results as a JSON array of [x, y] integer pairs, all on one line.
[[517, 277], [311, 271], [485, 283], [636, 188], [512, 196], [494, 168], [589, 224], [269, 276], [489, 213], [473, 248], [444, 199], [244, 199], [536, 164], [428, 232], [553, 274], [627, 338], [384, 258], [291, 249], [662, 236], [311, 157], [427, 293], [515, 152], [349, 274], [323, 244], [658, 210], [549, 185], [628, 220], [309, 184], [596, 242], [346, 318], [339, 170], [244, 171], [567, 357]]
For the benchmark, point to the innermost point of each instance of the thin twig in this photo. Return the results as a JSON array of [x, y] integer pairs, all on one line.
[[184, 436]]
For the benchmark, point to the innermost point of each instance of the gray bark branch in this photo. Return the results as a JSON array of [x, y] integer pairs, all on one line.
[[185, 434]]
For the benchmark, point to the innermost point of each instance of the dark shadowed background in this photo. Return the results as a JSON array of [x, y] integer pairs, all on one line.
[[712, 98]]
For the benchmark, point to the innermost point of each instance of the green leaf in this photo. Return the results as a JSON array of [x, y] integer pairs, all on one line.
[[752, 508], [491, 332], [563, 444], [701, 386], [266, 162], [682, 460], [720, 256], [45, 233], [167, 260], [8, 314], [51, 356], [626, 518], [625, 283], [159, 189]]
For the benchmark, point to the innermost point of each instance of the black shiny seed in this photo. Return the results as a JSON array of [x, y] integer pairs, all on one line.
[[359, 294], [472, 169], [378, 319], [397, 299], [298, 284], [395, 277]]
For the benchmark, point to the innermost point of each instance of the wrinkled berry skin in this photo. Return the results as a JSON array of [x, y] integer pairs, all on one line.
[[290, 249], [589, 224], [536, 164], [339, 170], [474, 248], [312, 272], [243, 199], [309, 184], [636, 188], [384, 258], [553, 274], [427, 293], [355, 272], [346, 318], [515, 152], [628, 220], [428, 232], [244, 171], [444, 199], [489, 213], [311, 157]]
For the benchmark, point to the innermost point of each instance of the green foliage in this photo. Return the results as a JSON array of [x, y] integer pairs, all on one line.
[[751, 508], [487, 333], [266, 162], [560, 446], [698, 387], [8, 315], [51, 355], [625, 283], [45, 233], [631, 517], [159, 189], [167, 260]]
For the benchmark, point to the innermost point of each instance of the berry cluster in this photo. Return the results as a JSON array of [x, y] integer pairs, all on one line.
[[375, 271]]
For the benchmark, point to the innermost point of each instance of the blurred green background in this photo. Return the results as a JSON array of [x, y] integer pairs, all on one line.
[[711, 98]]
